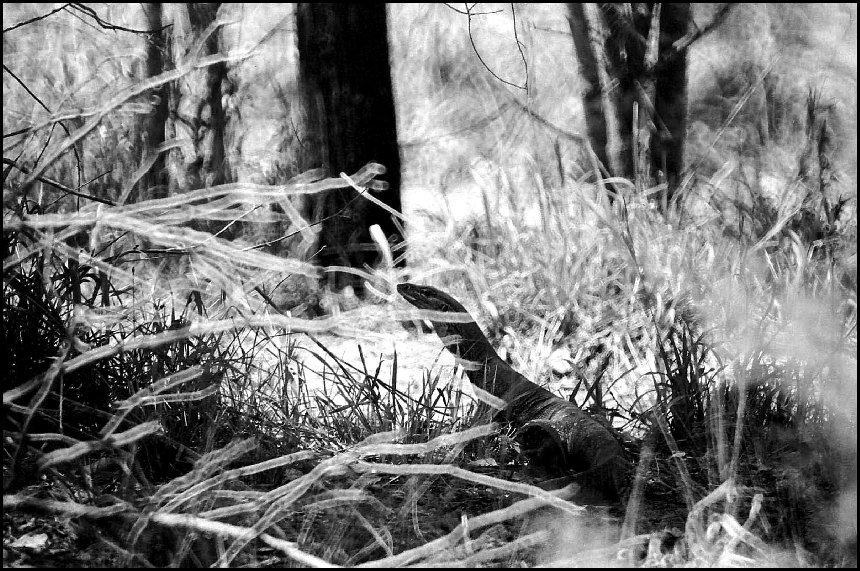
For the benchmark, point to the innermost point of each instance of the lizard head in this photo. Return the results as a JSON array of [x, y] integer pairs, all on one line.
[[463, 339], [428, 297]]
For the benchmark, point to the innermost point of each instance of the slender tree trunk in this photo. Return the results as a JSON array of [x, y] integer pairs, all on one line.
[[627, 57], [346, 82], [645, 92], [211, 165], [599, 61], [590, 68], [667, 150], [154, 183]]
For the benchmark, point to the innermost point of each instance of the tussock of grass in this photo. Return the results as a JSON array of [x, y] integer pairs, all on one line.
[[165, 386], [712, 340], [713, 399]]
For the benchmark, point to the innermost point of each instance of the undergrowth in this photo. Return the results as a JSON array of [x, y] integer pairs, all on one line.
[[719, 362], [746, 346], [178, 396]]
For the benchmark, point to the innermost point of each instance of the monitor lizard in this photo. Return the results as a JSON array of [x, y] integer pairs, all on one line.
[[541, 417]]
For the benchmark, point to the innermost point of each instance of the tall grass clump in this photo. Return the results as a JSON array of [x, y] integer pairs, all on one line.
[[720, 328], [158, 391], [173, 386], [738, 352]]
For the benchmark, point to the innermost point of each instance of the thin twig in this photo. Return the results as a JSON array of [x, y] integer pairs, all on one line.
[[57, 185], [107, 25], [520, 47], [470, 14], [685, 42], [473, 13], [45, 107], [121, 97], [36, 19], [311, 225]]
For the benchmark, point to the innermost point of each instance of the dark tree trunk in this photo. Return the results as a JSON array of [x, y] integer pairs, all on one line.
[[589, 66], [346, 82], [625, 57], [667, 150], [626, 52], [210, 167], [153, 184]]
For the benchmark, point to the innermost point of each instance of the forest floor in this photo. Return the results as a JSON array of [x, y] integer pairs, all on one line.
[[52, 541], [412, 515]]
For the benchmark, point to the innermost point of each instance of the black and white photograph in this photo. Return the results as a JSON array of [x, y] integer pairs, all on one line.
[[429, 285]]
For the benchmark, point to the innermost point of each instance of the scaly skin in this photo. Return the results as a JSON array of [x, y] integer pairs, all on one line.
[[466, 340], [585, 443]]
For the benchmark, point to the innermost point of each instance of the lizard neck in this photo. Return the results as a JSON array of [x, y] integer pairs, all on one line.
[[484, 367], [466, 341]]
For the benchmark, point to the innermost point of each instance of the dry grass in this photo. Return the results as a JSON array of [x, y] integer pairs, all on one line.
[[159, 386], [719, 402]]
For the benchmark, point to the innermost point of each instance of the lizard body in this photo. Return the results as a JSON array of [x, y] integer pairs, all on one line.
[[585, 443]]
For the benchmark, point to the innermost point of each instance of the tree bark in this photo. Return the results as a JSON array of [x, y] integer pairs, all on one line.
[[590, 68], [346, 82], [210, 167], [667, 150], [153, 184], [627, 56]]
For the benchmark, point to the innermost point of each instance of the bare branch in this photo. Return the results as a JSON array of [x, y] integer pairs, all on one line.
[[36, 19], [470, 14], [473, 13], [55, 184], [27, 89], [699, 32], [120, 98], [45, 107], [520, 47], [107, 25]]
